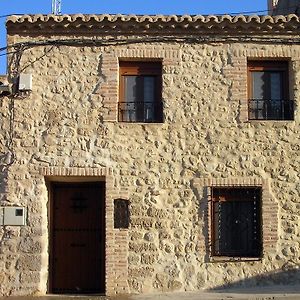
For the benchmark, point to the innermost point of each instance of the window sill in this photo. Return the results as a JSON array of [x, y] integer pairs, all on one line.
[[120, 229], [233, 259], [140, 123], [269, 121]]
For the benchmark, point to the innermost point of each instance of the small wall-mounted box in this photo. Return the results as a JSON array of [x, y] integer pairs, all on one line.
[[25, 82], [1, 215], [13, 216]]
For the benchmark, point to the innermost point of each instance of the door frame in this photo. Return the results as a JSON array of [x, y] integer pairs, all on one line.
[[69, 180]]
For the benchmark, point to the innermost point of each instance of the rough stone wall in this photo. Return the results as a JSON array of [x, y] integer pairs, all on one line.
[[69, 121]]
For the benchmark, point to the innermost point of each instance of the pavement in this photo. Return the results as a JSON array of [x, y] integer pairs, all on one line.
[[259, 293]]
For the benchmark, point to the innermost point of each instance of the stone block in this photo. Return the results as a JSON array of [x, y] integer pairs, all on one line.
[[28, 263]]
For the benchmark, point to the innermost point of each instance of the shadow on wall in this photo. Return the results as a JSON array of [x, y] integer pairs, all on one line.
[[285, 280], [7, 154], [3, 183]]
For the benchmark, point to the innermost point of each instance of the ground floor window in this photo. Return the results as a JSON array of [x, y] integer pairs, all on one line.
[[236, 221]]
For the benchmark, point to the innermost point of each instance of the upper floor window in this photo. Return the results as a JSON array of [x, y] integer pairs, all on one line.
[[268, 90], [140, 92]]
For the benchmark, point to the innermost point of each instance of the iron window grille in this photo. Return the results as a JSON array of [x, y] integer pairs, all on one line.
[[270, 109], [236, 221], [147, 112]]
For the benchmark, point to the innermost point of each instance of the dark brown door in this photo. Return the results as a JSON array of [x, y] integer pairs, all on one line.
[[78, 228]]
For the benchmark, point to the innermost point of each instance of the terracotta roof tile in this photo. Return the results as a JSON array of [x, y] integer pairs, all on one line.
[[193, 22]]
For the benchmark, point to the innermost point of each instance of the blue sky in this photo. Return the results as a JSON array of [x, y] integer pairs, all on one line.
[[193, 7]]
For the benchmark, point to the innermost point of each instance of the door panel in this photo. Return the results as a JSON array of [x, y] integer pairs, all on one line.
[[78, 229]]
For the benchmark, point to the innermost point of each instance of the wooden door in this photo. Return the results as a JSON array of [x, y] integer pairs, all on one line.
[[78, 238]]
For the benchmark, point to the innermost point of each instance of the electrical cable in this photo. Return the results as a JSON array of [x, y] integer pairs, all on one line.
[[112, 42], [261, 11], [8, 53], [4, 48], [232, 13], [156, 39], [5, 16], [248, 12]]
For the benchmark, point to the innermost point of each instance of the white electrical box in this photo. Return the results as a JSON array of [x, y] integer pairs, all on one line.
[[25, 82], [13, 216]]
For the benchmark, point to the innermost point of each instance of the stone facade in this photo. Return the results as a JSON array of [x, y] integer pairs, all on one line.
[[67, 129]]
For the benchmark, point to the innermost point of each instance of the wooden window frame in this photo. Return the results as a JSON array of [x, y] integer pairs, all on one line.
[[142, 68], [270, 65]]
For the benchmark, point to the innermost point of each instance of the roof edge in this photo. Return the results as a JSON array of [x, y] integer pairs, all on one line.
[[39, 22], [151, 18]]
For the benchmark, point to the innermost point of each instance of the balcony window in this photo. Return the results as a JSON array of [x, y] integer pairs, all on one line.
[[140, 92], [268, 89]]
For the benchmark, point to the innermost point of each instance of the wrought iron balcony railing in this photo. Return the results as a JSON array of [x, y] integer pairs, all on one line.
[[146, 112], [270, 109]]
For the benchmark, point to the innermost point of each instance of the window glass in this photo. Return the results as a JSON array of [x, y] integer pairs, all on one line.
[[275, 86], [258, 85], [130, 88], [149, 88]]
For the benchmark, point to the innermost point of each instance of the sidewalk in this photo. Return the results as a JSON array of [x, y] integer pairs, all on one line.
[[259, 293]]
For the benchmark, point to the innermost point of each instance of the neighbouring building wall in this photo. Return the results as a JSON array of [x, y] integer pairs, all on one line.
[[271, 5], [284, 7], [67, 127]]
